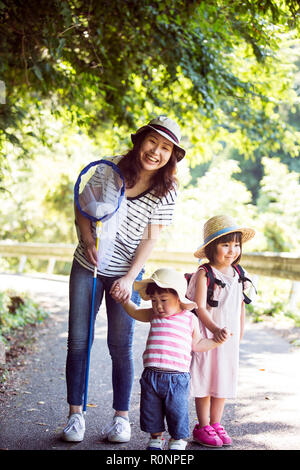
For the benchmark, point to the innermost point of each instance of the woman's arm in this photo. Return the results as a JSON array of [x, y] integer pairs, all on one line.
[[85, 229], [149, 239], [121, 288]]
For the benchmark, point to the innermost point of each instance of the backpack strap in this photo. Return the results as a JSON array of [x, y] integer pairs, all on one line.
[[188, 278], [211, 281], [243, 279]]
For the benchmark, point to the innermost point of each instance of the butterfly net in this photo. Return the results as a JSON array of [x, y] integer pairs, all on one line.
[[99, 196]]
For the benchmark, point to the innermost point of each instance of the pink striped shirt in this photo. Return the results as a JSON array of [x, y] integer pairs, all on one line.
[[169, 342]]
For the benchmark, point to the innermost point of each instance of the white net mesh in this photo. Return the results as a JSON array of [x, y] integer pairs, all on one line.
[[99, 195]]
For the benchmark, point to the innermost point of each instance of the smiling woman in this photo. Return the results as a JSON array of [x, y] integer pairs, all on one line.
[[155, 152], [161, 135], [150, 195]]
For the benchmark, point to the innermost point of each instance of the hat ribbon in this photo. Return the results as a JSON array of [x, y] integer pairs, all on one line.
[[167, 131], [220, 232]]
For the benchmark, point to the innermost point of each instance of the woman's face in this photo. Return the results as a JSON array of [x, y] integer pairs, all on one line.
[[155, 151]]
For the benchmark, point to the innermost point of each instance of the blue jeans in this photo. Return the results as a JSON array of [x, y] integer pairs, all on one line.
[[119, 336], [165, 395]]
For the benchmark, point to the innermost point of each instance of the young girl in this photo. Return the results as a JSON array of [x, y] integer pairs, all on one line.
[[174, 332], [214, 373]]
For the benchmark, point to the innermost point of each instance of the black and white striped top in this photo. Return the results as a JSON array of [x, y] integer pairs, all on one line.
[[144, 209]]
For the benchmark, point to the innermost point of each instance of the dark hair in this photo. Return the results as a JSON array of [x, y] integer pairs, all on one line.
[[210, 249], [153, 288], [162, 181]]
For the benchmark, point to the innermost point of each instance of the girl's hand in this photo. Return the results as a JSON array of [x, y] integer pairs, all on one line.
[[220, 335], [121, 289]]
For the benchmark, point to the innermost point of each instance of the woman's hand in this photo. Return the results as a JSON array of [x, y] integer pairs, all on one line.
[[121, 289], [91, 252]]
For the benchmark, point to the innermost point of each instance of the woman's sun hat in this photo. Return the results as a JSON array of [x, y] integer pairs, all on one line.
[[167, 279], [218, 226], [167, 128]]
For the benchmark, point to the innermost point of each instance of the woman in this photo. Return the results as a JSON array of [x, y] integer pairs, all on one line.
[[150, 191]]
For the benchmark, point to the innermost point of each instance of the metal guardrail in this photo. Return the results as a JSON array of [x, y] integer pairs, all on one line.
[[278, 265]]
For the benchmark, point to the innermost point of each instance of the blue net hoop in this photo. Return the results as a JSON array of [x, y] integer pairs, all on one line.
[[85, 170]]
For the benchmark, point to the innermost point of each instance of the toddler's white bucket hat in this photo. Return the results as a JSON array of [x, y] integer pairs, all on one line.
[[167, 128], [167, 279], [218, 226]]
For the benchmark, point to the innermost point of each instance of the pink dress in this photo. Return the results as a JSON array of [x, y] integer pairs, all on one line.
[[215, 372]]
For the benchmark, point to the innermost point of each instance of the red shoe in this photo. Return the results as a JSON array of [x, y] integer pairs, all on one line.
[[222, 434], [207, 436]]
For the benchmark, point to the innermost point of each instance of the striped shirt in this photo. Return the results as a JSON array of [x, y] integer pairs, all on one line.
[[137, 212], [169, 342]]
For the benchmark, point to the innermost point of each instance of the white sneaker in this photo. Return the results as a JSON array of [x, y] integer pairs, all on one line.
[[118, 431], [75, 428], [156, 444], [179, 444]]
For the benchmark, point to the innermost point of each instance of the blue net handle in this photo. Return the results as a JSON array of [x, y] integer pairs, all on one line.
[[77, 184]]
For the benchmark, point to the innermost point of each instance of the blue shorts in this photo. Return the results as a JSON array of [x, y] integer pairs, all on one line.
[[165, 395]]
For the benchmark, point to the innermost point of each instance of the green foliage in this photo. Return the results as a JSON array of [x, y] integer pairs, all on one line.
[[80, 76], [272, 303], [112, 63], [17, 311], [215, 193], [276, 309], [276, 204], [275, 217], [40, 192]]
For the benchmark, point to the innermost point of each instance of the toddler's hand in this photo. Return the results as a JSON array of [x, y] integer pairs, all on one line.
[[121, 289]]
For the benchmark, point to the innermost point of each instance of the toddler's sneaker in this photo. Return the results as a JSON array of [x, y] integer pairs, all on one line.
[[156, 443], [207, 436], [177, 444], [118, 431], [75, 428], [222, 434]]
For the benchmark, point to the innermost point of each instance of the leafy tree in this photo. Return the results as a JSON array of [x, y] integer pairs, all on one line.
[[113, 62], [80, 75], [40, 193], [285, 150], [215, 193]]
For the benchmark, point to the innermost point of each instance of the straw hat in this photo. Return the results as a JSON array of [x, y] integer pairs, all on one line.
[[218, 226], [167, 128], [167, 279]]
